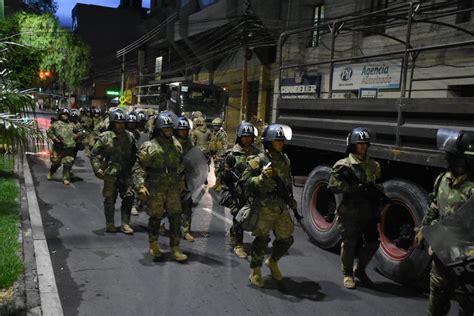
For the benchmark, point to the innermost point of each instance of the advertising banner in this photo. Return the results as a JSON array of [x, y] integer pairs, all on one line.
[[384, 74]]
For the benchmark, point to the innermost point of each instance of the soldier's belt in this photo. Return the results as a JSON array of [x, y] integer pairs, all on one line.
[[162, 170]]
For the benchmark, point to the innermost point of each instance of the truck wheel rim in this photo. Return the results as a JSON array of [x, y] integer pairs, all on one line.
[[317, 205], [391, 217]]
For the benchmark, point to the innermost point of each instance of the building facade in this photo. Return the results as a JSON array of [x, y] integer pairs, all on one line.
[[234, 44]]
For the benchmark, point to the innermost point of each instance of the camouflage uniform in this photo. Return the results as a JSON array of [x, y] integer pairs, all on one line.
[[449, 194], [357, 219], [159, 168], [88, 125], [217, 147], [236, 191], [64, 143], [186, 201], [201, 136], [115, 154], [271, 206]]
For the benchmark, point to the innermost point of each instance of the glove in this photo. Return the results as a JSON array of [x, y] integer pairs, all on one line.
[[419, 239], [100, 174], [268, 172], [143, 193]]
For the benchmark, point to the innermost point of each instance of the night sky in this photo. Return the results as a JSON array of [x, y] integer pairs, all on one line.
[[65, 7]]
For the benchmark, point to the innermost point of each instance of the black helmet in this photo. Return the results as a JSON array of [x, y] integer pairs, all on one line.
[[142, 117], [183, 123], [246, 129], [74, 116], [117, 116], [455, 142], [132, 117], [277, 132], [166, 119], [63, 111], [359, 135]]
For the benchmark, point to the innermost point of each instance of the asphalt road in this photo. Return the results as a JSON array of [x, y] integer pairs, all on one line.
[[113, 274]]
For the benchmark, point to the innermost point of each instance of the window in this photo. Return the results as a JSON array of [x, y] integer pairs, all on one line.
[[464, 16], [317, 20]]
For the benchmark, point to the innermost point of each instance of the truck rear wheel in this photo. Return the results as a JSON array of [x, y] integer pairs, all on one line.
[[319, 206], [398, 258]]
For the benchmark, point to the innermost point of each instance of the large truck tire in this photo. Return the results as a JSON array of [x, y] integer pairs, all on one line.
[[318, 206], [398, 258]]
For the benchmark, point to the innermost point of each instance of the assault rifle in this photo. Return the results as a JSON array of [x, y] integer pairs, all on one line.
[[372, 192], [286, 193]]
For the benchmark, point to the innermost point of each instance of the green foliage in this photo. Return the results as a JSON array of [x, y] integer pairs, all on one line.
[[44, 45], [15, 129], [10, 264]]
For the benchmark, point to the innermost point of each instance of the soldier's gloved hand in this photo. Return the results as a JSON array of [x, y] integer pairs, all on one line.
[[100, 174], [143, 193], [268, 172], [419, 237]]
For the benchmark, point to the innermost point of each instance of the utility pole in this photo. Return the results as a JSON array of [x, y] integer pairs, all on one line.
[[245, 34], [122, 85]]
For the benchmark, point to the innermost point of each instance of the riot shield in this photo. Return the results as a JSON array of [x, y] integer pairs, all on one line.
[[452, 240], [195, 165]]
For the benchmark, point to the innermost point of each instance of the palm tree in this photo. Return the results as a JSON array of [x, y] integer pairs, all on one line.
[[17, 131]]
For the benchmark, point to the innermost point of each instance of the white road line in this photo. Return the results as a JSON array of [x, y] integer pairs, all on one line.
[[221, 217], [49, 296]]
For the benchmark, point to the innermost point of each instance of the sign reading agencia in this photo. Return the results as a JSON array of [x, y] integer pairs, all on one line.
[[385, 74], [301, 87]]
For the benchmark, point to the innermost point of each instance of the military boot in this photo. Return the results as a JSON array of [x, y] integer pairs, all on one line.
[[188, 237], [126, 229], [273, 266], [240, 252], [178, 255], [362, 276], [110, 228], [155, 249], [134, 211], [50, 175], [255, 277], [349, 282]]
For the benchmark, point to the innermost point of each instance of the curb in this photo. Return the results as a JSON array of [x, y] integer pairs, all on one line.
[[49, 296]]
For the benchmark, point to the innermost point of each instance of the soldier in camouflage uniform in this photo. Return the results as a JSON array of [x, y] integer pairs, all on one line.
[[63, 134], [112, 158], [232, 165], [260, 125], [181, 132], [201, 136], [80, 132], [150, 122], [195, 115], [159, 181], [217, 147], [268, 183], [132, 127], [88, 125], [99, 127], [451, 190], [357, 221]]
